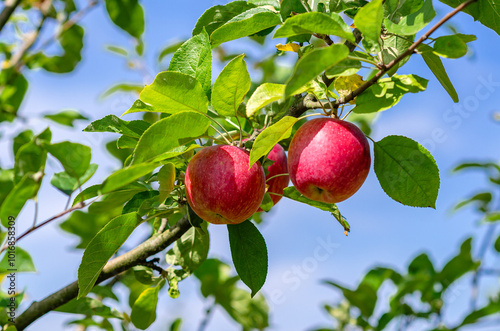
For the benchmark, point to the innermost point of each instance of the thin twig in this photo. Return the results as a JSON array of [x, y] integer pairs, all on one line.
[[79, 205], [485, 244], [408, 52], [206, 318], [8, 10]]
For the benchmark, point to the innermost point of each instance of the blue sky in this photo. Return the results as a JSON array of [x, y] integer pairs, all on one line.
[[382, 231]]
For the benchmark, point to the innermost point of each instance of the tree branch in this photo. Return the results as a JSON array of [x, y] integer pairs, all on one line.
[[114, 267], [79, 205], [300, 107], [8, 10]]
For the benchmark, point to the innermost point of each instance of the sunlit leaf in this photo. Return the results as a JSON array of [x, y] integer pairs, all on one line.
[[271, 136], [163, 136], [264, 95], [369, 19], [194, 58], [173, 92], [102, 247], [314, 63], [245, 24], [144, 309], [66, 117], [231, 87]]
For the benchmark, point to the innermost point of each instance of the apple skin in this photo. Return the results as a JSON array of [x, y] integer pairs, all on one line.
[[328, 159], [219, 186], [279, 166]]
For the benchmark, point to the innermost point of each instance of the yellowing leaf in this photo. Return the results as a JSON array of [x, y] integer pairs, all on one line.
[[346, 84], [290, 47]]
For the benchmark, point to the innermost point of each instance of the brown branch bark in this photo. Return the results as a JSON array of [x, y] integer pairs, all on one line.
[[8, 10], [114, 267]]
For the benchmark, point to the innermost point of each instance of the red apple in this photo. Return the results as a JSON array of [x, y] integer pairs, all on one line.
[[328, 159], [219, 186], [279, 166]]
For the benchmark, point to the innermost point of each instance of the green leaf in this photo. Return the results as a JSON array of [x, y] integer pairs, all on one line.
[[481, 200], [218, 15], [271, 136], [458, 265], [264, 95], [66, 117], [484, 11], [364, 297], [231, 87], [31, 157], [369, 19], [289, 6], [393, 46], [111, 123], [387, 92], [173, 92], [191, 250], [267, 203], [436, 65], [169, 49], [75, 158], [12, 95], [492, 308], [451, 47], [176, 325], [144, 309], [123, 87], [6, 183], [14, 202], [71, 41], [396, 8], [100, 249], [163, 136], [23, 138], [166, 179], [249, 253], [85, 226], [314, 63], [497, 244], [407, 171], [194, 58], [142, 203], [346, 67], [492, 217], [126, 142], [139, 106], [117, 50], [411, 24], [314, 22], [126, 176], [67, 184], [16, 260], [89, 307], [245, 24], [127, 15], [292, 193]]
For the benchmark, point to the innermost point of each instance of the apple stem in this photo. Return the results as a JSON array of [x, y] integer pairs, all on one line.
[[281, 195], [276, 176]]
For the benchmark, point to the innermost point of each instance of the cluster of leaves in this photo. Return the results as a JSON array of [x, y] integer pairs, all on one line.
[[184, 111], [422, 293]]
